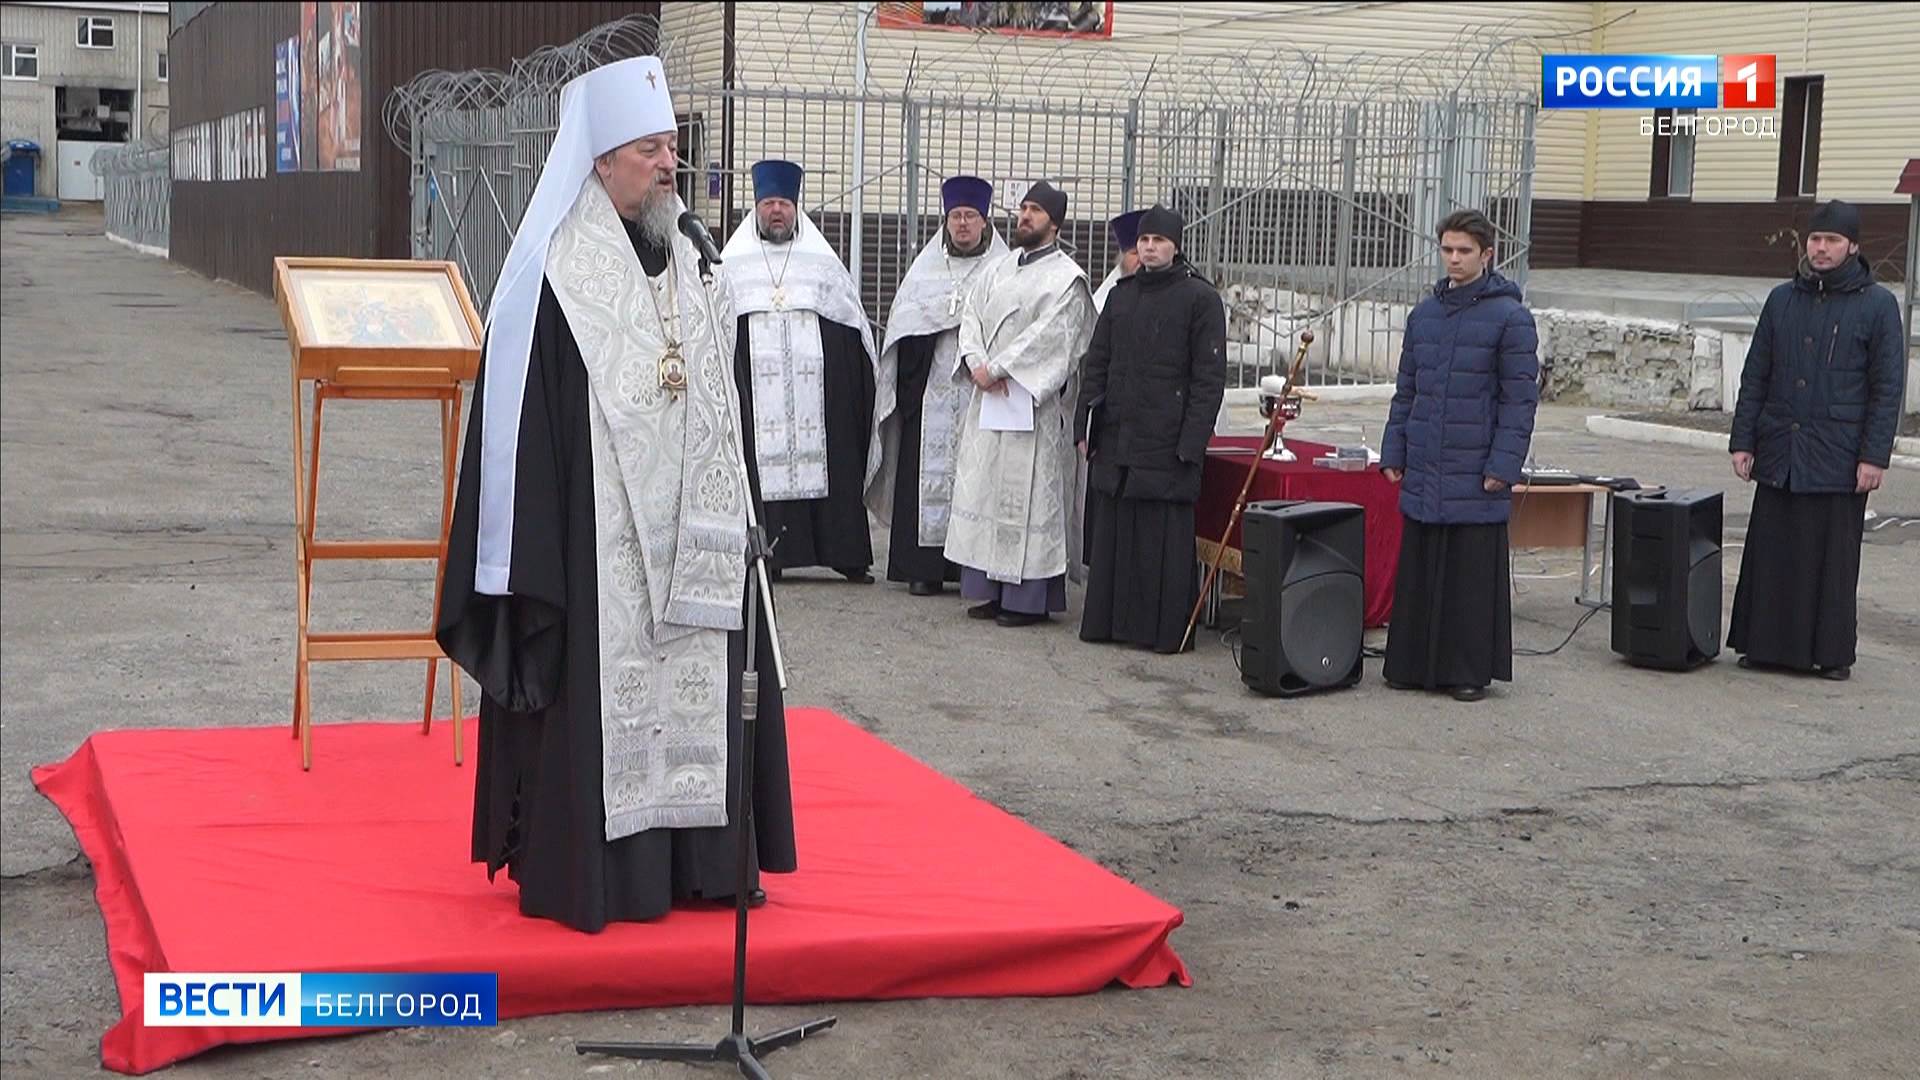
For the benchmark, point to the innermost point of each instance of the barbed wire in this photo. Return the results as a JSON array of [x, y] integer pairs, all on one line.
[[812, 46], [151, 152]]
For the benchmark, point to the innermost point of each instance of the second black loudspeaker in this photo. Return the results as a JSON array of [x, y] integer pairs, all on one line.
[[1666, 577], [1305, 566]]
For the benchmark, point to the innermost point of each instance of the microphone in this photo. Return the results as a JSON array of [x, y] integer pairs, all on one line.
[[695, 230]]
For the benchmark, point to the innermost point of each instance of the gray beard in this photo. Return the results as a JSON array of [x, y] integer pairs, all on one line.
[[776, 236], [658, 220]]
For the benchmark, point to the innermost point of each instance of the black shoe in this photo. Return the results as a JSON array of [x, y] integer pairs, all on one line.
[[925, 588], [1837, 674], [1469, 693], [988, 610], [1391, 685], [857, 577], [1746, 663], [1018, 618], [757, 898]]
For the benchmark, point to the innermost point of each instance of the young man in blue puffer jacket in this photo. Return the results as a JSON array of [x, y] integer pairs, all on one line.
[[1456, 438]]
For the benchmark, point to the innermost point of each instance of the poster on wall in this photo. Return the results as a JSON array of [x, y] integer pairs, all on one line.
[[331, 103], [286, 105], [337, 109], [1086, 18], [309, 12]]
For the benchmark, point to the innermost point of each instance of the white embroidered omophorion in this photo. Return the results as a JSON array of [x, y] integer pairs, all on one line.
[[929, 300], [785, 350], [670, 523]]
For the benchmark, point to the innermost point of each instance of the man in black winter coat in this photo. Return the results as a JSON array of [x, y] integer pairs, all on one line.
[[1819, 403], [1152, 385]]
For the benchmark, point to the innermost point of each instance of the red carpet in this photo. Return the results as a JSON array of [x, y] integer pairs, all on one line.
[[212, 851]]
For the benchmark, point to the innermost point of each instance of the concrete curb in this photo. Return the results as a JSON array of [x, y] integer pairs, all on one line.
[[144, 249], [1908, 456]]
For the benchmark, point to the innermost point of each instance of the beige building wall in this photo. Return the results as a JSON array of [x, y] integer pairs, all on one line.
[[1870, 116], [1228, 52]]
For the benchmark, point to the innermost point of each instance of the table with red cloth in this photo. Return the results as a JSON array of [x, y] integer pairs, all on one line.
[[1377, 496]]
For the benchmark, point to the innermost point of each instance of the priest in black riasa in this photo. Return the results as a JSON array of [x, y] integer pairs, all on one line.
[[1813, 431], [809, 381], [596, 575], [1154, 379]]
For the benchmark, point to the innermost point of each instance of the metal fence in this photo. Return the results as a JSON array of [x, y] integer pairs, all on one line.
[[139, 192], [1311, 195], [1322, 214], [1308, 213]]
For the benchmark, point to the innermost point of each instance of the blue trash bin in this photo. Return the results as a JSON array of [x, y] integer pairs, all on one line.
[[23, 162]]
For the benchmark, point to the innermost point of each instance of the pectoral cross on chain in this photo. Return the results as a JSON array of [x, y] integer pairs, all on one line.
[[780, 297], [953, 304]]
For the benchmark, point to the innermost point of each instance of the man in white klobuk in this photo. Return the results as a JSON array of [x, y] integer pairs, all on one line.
[[913, 490], [808, 376], [595, 580], [1025, 324]]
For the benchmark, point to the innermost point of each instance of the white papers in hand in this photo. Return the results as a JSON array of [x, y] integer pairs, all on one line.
[[1011, 411]]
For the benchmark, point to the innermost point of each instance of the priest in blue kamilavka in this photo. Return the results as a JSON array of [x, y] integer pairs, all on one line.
[[921, 369], [595, 583], [808, 374], [1126, 244]]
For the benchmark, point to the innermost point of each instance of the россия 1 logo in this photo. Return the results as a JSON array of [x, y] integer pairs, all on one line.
[[1654, 81]]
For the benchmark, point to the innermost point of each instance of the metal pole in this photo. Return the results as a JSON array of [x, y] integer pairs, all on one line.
[[1913, 297], [1523, 204], [859, 144], [1129, 158], [910, 115], [1343, 228]]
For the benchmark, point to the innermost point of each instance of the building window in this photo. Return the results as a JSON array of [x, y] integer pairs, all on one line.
[[20, 61], [96, 32], [160, 66], [1674, 135], [1800, 137]]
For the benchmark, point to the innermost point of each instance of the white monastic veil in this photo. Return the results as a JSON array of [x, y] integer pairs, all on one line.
[[606, 108]]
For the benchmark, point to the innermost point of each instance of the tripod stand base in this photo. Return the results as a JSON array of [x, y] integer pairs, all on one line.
[[736, 1048]]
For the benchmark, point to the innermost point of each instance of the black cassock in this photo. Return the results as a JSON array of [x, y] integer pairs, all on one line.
[[1795, 604], [1452, 607], [538, 807], [830, 532], [907, 559]]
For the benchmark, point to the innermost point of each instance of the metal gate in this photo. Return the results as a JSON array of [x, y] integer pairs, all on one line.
[[1320, 215]]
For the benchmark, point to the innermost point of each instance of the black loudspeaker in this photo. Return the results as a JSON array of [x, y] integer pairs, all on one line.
[[1304, 564], [1666, 577]]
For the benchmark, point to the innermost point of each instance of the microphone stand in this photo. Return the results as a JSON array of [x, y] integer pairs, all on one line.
[[737, 1046]]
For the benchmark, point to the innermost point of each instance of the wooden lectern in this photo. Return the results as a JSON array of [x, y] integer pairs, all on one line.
[[373, 330]]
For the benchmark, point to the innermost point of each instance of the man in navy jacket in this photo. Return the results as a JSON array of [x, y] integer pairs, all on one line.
[[1456, 438], [1813, 430]]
